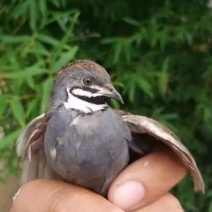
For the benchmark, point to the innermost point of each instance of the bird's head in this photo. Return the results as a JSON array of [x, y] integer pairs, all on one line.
[[83, 85]]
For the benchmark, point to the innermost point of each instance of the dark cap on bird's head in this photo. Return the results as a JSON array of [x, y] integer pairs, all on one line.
[[83, 65], [83, 85]]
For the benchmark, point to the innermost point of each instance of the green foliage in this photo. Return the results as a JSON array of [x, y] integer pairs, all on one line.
[[157, 52]]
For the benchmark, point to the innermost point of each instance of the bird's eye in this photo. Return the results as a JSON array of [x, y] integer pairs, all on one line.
[[87, 81]]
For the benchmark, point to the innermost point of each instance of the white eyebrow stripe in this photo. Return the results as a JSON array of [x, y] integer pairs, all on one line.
[[96, 87], [81, 92]]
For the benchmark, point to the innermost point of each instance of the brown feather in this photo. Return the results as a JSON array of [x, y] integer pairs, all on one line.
[[142, 124], [30, 147]]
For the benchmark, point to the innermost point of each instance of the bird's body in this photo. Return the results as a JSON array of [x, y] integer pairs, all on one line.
[[87, 149], [86, 142], [80, 139]]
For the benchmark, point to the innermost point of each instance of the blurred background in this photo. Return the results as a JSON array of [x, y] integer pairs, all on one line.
[[158, 54]]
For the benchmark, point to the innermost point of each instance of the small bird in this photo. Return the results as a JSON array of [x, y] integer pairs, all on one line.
[[81, 140]]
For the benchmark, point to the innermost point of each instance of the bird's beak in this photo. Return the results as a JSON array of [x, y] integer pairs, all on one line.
[[109, 91]]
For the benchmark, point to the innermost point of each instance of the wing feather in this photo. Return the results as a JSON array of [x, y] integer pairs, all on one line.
[[142, 124], [30, 148]]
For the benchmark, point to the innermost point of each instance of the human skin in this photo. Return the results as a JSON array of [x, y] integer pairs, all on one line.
[[142, 187]]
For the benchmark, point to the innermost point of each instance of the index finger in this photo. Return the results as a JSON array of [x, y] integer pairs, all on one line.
[[147, 179], [49, 195]]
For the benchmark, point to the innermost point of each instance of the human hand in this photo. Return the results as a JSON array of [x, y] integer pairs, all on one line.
[[149, 179]]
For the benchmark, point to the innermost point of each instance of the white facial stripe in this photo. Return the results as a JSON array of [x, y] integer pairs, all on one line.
[[78, 104], [80, 92], [96, 87]]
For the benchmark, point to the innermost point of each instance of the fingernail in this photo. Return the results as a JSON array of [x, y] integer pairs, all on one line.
[[17, 193], [128, 194]]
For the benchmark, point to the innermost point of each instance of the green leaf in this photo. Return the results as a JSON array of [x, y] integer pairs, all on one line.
[[64, 59], [3, 106], [210, 207], [9, 138], [20, 9], [33, 14], [28, 72], [31, 106], [56, 3], [39, 49], [18, 112], [5, 97], [132, 91], [17, 39], [47, 86], [42, 6], [127, 49], [164, 77], [30, 82], [131, 21], [117, 52], [145, 86], [47, 39], [114, 103]]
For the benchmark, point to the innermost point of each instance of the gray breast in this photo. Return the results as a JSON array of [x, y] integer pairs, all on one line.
[[88, 150]]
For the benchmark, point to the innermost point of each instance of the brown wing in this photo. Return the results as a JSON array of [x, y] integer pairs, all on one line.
[[143, 125], [30, 147]]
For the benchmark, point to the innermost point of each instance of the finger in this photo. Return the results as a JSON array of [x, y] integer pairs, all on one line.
[[168, 202], [146, 180], [49, 195]]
